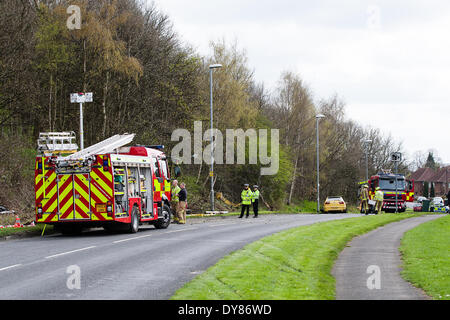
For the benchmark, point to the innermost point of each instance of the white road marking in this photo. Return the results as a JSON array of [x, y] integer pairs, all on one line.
[[179, 230], [128, 239], [149, 235], [68, 252], [222, 224], [10, 267]]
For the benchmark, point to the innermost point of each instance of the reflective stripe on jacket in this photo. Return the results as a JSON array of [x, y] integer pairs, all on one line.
[[379, 195], [175, 192], [246, 196], [255, 195], [364, 195]]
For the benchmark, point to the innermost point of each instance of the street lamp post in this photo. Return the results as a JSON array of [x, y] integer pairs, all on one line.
[[211, 173], [366, 142], [396, 157], [318, 117]]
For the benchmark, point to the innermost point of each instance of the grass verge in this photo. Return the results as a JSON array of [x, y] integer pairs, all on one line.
[[426, 257], [27, 231], [291, 265]]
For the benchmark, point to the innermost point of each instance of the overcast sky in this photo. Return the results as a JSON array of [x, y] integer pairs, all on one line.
[[388, 60]]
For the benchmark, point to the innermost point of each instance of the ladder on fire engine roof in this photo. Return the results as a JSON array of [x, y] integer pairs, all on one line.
[[103, 147], [56, 143]]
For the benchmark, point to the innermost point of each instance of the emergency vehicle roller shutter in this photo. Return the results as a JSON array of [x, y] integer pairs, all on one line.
[[167, 189], [73, 195], [157, 190], [410, 197], [82, 196], [65, 190], [46, 192], [101, 191]]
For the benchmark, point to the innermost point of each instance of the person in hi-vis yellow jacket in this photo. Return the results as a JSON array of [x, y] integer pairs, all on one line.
[[246, 200], [255, 200], [379, 197]]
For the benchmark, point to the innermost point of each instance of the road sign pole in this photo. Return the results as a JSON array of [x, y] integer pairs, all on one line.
[[81, 98], [396, 187], [396, 157], [212, 140], [81, 127]]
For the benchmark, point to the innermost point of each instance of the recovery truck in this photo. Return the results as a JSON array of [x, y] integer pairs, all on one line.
[[386, 180], [106, 185]]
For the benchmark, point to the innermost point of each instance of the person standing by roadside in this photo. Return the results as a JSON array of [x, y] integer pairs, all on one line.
[[365, 199], [246, 200], [379, 198], [174, 200], [182, 204], [255, 200]]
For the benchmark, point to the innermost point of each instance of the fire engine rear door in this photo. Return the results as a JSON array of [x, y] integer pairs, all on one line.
[[81, 196], [73, 197], [65, 197]]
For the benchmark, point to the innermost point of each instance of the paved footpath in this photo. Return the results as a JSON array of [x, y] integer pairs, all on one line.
[[369, 267]]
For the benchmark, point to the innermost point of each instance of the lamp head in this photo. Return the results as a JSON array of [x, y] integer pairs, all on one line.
[[215, 66]]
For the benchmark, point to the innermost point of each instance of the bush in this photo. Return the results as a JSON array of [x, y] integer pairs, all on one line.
[[17, 156]]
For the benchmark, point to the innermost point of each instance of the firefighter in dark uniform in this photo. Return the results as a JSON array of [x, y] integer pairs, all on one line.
[[255, 200]]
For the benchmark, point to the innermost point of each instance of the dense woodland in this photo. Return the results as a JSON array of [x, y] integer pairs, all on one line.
[[147, 80]]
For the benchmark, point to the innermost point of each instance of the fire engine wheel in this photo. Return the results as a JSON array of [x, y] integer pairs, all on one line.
[[164, 222], [134, 224]]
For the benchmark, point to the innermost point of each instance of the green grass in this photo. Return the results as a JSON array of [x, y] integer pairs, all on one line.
[[426, 257], [304, 206], [27, 231], [291, 265]]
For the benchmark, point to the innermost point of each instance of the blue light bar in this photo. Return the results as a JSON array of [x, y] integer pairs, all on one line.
[[159, 147]]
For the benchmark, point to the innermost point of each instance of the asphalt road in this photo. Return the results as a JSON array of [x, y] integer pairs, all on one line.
[[151, 264], [369, 267]]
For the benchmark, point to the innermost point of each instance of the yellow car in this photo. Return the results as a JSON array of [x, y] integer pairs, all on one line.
[[334, 204]]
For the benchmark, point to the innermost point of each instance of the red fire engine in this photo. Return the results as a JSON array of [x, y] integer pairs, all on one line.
[[390, 184], [106, 185]]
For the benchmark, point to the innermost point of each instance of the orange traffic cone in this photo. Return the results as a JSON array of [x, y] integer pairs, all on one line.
[[18, 224]]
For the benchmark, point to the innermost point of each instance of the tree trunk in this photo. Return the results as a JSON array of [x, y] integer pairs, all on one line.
[[199, 172], [105, 93], [50, 103], [293, 181], [55, 105], [294, 175], [84, 66]]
